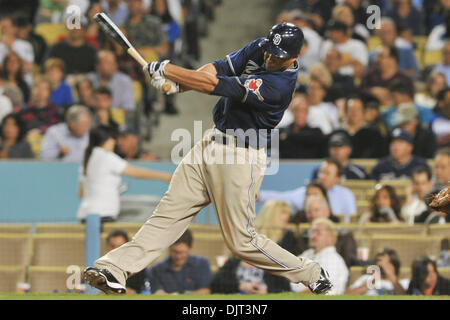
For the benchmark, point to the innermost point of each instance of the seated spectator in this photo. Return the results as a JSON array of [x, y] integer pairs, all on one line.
[[40, 113], [299, 140], [377, 80], [322, 115], [440, 124], [340, 148], [12, 142], [426, 279], [436, 82], [61, 92], [404, 13], [342, 200], [6, 106], [318, 12], [85, 92], [116, 9], [316, 207], [344, 13], [26, 32], [128, 147], [372, 116], [13, 75], [102, 108], [385, 206], [389, 283], [68, 141], [425, 142], [365, 139], [388, 36], [272, 221], [322, 242], [11, 92], [137, 282], [342, 85], [354, 52], [401, 94], [416, 195], [444, 66], [120, 84], [441, 170], [181, 272], [401, 162], [77, 54]]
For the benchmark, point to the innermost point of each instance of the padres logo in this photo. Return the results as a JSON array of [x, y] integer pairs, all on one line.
[[276, 39]]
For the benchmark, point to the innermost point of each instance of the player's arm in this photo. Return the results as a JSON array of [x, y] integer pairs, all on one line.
[[203, 80], [209, 68]]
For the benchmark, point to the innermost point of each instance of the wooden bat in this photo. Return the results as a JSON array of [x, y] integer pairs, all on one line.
[[114, 32]]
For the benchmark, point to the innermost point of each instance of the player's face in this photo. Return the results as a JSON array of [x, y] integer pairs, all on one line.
[[273, 63], [179, 254]]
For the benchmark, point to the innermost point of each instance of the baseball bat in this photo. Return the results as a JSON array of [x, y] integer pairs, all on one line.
[[111, 29]]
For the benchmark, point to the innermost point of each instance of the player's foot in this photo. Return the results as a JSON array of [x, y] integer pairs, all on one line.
[[103, 280], [323, 285]]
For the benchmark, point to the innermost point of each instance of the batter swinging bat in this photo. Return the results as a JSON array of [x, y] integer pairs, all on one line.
[[114, 32]]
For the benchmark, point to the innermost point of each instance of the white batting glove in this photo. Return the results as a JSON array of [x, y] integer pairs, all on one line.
[[158, 82], [156, 68]]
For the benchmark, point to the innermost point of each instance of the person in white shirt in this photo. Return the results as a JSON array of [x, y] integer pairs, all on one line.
[[322, 241], [100, 176], [416, 194]]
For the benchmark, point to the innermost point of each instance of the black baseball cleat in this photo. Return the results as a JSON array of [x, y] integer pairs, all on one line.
[[103, 280], [323, 285]]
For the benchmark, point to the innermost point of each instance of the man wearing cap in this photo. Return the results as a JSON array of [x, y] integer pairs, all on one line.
[[425, 141], [440, 124], [401, 162], [354, 52]]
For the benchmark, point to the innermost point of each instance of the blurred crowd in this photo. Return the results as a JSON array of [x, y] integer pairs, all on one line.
[[61, 76]]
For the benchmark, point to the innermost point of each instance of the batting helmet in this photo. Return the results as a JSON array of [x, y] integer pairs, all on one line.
[[284, 40]]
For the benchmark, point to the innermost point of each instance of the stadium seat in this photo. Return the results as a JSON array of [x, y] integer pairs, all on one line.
[[59, 228], [367, 164], [130, 228], [444, 272], [210, 245], [14, 249], [387, 228], [51, 279], [50, 31], [9, 278], [439, 230], [58, 249], [432, 57], [16, 228], [356, 272], [408, 247]]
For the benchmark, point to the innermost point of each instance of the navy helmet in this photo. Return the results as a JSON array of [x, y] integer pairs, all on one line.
[[284, 40]]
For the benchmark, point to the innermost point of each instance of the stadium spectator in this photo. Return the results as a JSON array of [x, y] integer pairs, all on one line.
[[101, 110], [93, 31], [137, 282], [6, 105], [77, 54], [441, 169], [61, 92], [181, 272], [443, 260], [404, 13], [426, 279], [272, 221], [13, 75], [389, 283], [438, 35], [128, 147], [318, 11], [385, 206], [67, 141], [342, 200], [366, 140], [444, 66], [299, 140], [85, 92], [40, 113], [377, 80], [436, 82], [342, 85], [416, 194], [13, 94], [354, 52], [322, 250], [322, 115], [12, 139], [340, 148], [116, 9], [400, 162], [120, 84], [401, 93], [388, 36], [26, 32], [100, 176], [237, 276], [440, 124], [344, 13]]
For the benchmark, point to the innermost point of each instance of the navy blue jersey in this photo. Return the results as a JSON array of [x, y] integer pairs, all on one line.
[[251, 96]]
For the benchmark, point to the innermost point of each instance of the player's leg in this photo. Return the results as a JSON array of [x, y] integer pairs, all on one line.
[[185, 197]]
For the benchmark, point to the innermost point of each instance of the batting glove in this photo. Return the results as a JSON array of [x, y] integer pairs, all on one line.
[[156, 68], [158, 83]]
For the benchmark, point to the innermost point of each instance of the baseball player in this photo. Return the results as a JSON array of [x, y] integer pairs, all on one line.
[[255, 85]]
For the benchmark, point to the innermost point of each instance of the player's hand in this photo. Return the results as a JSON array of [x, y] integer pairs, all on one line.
[[156, 68], [158, 83]]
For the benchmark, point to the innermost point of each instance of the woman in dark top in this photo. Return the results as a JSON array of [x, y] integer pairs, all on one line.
[[405, 14], [426, 280], [12, 143], [12, 72]]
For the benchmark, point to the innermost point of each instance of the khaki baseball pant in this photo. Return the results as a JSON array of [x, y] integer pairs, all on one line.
[[230, 178]]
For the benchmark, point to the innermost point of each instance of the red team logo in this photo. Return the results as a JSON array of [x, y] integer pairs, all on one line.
[[253, 85]]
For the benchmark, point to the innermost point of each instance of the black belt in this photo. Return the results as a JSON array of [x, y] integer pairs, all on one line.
[[234, 142]]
